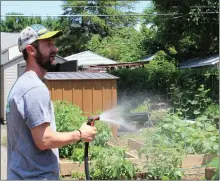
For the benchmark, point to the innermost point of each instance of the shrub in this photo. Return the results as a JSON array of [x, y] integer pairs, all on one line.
[[68, 118], [162, 162], [110, 164], [214, 163]]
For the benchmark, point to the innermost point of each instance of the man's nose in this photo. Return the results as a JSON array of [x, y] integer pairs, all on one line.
[[55, 49]]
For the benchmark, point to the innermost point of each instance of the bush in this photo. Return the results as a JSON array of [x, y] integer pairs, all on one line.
[[214, 163], [68, 118], [198, 137], [162, 161], [110, 164]]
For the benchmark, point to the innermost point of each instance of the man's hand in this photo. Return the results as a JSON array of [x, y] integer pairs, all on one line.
[[88, 132]]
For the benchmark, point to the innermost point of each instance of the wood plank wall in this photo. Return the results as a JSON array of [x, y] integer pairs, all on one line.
[[92, 96]]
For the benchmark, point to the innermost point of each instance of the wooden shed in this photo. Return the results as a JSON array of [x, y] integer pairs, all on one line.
[[92, 92]]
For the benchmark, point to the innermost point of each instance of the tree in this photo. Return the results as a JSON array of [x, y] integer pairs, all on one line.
[[78, 30], [17, 23], [125, 45], [189, 27]]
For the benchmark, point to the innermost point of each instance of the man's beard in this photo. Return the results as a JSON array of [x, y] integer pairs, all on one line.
[[44, 61]]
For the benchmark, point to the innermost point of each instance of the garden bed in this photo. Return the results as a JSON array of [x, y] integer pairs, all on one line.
[[68, 166], [193, 165]]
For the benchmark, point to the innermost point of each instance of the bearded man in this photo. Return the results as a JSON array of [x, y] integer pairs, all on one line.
[[31, 130]]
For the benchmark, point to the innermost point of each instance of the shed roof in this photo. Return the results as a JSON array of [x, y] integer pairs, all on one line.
[[200, 61], [149, 57], [87, 58], [78, 76], [8, 40]]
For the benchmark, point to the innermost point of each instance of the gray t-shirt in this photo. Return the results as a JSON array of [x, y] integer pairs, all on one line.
[[29, 105]]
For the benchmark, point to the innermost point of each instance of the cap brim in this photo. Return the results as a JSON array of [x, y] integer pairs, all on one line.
[[51, 34]]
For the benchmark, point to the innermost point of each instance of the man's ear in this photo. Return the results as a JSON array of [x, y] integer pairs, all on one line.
[[31, 50]]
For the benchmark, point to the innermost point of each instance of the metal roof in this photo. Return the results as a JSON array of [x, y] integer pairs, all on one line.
[[78, 76], [89, 58], [199, 62], [8, 40], [149, 57]]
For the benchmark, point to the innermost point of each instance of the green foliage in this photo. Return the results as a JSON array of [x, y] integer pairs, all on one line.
[[68, 118], [125, 45], [77, 155], [191, 29], [4, 141], [190, 103], [78, 176], [110, 164], [103, 135], [162, 161], [195, 138], [214, 163], [17, 23], [156, 76], [78, 31], [190, 91], [145, 107]]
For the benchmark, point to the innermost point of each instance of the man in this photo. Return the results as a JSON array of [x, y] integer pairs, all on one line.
[[32, 138]]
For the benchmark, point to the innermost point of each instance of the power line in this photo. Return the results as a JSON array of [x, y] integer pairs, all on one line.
[[89, 15], [100, 6], [104, 15]]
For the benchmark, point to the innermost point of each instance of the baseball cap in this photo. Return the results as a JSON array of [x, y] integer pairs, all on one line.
[[33, 33]]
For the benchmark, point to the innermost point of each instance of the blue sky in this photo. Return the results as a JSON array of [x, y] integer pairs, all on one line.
[[45, 7]]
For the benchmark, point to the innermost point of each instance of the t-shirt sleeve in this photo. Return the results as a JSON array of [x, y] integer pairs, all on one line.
[[37, 106]]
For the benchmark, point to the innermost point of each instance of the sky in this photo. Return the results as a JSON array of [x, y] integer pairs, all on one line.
[[45, 7]]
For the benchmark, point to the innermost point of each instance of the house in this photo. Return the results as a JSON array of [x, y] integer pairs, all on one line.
[[12, 66], [200, 62], [87, 58], [93, 62]]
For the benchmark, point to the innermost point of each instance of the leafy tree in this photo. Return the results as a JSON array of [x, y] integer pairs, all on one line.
[[95, 18], [125, 45], [17, 23], [189, 28]]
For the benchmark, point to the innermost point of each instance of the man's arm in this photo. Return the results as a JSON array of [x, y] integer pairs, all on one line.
[[45, 138]]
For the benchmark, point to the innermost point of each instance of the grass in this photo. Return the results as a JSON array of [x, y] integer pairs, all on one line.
[[4, 141]]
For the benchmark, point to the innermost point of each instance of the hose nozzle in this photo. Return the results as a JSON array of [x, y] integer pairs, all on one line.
[[92, 119]]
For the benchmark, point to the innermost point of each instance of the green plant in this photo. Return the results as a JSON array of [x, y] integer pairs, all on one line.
[[214, 163], [77, 155], [110, 164], [162, 162], [78, 176], [103, 134], [68, 118], [192, 102], [197, 137], [4, 141]]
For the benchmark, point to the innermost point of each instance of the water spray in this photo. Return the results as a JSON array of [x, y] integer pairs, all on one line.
[[90, 122]]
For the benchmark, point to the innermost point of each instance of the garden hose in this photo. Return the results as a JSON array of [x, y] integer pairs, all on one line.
[[91, 122]]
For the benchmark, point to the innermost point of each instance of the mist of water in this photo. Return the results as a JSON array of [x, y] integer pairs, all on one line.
[[114, 116], [126, 103]]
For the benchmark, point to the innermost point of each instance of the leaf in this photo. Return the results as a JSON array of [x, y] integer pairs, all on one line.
[[196, 112], [194, 102], [165, 178], [216, 147], [212, 138], [210, 128], [178, 173], [190, 149]]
